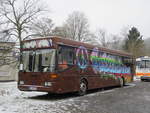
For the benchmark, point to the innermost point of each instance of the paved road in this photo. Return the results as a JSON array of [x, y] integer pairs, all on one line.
[[134, 98]]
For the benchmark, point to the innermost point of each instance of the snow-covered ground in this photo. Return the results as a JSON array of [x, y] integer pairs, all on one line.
[[14, 101]]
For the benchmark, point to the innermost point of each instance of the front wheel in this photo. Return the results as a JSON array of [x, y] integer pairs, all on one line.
[[83, 88]]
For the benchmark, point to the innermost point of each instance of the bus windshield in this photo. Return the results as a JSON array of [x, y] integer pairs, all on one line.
[[39, 60]]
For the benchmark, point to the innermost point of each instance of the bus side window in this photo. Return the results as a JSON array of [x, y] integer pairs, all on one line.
[[65, 57], [70, 57], [142, 64], [147, 64]]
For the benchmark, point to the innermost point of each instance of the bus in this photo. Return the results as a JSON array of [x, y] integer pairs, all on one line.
[[143, 67], [58, 65]]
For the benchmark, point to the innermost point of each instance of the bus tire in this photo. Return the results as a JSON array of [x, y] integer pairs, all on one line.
[[121, 81], [142, 80], [83, 88]]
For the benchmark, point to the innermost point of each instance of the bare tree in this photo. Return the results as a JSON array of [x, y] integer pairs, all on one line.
[[90, 38], [124, 31], [4, 35], [60, 31], [17, 17], [102, 38], [76, 26], [43, 27], [116, 42]]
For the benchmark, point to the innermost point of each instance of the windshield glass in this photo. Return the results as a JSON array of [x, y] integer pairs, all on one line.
[[39, 60]]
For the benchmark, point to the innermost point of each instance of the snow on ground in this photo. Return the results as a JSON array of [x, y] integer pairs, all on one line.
[[14, 101]]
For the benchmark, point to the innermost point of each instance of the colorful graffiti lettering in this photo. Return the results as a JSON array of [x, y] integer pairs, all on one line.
[[82, 57], [107, 63], [100, 61], [94, 60]]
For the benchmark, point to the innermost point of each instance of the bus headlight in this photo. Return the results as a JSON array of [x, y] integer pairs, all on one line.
[[21, 82], [48, 84]]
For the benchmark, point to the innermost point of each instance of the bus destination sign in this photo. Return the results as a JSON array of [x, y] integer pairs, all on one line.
[[37, 43]]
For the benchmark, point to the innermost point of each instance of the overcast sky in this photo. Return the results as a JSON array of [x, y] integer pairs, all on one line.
[[112, 15]]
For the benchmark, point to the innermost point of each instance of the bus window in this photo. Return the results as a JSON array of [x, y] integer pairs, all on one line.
[[26, 60], [147, 64], [46, 60], [39, 61], [65, 57], [142, 64]]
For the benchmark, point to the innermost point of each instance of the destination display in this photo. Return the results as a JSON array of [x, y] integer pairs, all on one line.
[[37, 43]]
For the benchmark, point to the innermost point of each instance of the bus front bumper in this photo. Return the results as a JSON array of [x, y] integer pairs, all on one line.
[[35, 88]]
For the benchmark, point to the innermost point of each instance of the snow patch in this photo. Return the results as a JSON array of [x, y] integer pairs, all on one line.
[[14, 101]]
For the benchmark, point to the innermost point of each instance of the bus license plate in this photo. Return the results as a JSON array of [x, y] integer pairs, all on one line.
[[32, 88]]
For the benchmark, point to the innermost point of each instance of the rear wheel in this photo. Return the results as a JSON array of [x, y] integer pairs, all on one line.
[[142, 80], [83, 88]]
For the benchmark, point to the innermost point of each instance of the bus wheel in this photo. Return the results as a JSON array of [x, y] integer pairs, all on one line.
[[121, 81], [83, 88]]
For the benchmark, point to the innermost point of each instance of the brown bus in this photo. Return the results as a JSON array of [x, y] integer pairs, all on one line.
[[57, 65]]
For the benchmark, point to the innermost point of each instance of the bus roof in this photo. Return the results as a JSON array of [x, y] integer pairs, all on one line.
[[143, 58], [64, 41]]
